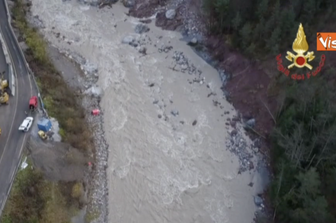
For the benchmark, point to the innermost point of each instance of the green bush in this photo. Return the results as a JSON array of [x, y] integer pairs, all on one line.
[[34, 200], [77, 190]]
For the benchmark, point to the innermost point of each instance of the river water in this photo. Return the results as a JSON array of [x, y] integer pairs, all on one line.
[[166, 129]]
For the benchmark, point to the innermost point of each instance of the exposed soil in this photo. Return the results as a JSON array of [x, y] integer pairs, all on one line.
[[247, 87], [58, 161], [167, 24], [248, 92], [145, 8]]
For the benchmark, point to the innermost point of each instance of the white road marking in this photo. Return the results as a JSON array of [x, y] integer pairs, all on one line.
[[13, 174]]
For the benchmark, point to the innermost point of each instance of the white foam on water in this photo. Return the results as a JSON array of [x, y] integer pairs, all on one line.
[[118, 118], [158, 171]]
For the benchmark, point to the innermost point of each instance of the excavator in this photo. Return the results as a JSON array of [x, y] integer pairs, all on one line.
[[4, 98], [42, 135]]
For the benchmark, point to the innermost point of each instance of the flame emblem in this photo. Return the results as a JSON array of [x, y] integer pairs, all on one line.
[[300, 46]]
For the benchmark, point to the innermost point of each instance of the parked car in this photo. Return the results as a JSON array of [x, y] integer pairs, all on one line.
[[26, 124]]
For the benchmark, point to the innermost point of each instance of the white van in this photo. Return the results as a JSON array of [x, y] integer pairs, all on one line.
[[26, 124]]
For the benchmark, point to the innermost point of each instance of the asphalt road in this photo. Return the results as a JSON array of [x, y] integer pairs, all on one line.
[[12, 140]]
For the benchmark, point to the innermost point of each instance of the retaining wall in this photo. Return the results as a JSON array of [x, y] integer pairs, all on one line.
[[11, 79]]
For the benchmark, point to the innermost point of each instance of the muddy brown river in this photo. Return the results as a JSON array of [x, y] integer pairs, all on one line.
[[164, 119]]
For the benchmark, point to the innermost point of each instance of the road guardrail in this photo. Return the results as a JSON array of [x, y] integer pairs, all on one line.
[[11, 79]]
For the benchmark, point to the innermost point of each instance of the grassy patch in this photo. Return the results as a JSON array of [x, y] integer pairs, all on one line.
[[92, 216], [34, 199]]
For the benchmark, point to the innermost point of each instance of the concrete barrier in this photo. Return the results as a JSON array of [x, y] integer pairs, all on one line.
[[8, 14], [11, 79], [4, 49]]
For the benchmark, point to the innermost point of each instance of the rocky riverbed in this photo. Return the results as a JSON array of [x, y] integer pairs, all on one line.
[[169, 147]]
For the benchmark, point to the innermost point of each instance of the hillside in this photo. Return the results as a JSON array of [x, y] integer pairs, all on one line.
[[301, 137]]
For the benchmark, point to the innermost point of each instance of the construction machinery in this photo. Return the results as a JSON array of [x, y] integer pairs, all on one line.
[[42, 135], [33, 103], [4, 97], [44, 126], [45, 135], [32, 106]]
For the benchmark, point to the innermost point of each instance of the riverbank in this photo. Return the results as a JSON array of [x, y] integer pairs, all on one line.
[[147, 118], [53, 183]]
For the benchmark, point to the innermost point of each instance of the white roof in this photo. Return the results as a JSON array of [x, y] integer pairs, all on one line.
[[25, 122], [29, 118]]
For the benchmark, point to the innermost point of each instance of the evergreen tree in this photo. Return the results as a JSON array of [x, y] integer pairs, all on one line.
[[268, 27], [258, 31], [251, 49], [276, 10], [245, 34], [309, 184], [287, 24], [236, 22], [309, 11], [306, 120], [221, 8], [311, 207], [273, 43], [262, 9]]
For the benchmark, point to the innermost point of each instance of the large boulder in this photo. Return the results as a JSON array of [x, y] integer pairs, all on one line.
[[89, 2], [193, 42], [95, 91], [141, 28], [128, 3], [130, 40], [258, 200], [250, 123], [170, 14]]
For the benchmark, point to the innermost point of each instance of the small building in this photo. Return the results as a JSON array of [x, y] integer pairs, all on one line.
[[44, 124]]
